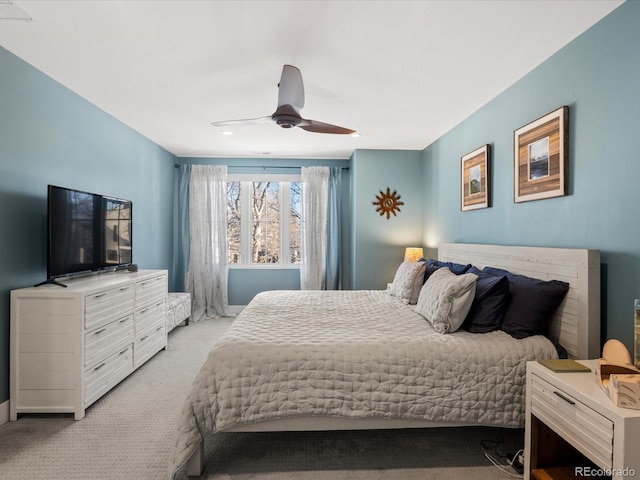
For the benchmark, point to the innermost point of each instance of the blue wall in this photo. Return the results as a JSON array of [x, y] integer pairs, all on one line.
[[598, 77], [49, 135], [377, 244]]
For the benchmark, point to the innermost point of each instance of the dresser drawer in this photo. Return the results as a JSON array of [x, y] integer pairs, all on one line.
[[100, 379], [151, 315], [106, 306], [151, 290], [101, 342], [584, 428], [148, 344]]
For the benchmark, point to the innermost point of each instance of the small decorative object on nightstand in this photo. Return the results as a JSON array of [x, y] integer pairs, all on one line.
[[615, 374], [573, 430]]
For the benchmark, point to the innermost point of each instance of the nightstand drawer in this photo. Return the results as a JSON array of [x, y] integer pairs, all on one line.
[[584, 428]]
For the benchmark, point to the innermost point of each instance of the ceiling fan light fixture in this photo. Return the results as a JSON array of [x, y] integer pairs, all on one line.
[[290, 102], [286, 121], [226, 133], [355, 134], [286, 116]]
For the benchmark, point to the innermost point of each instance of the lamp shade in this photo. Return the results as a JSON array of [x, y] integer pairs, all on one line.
[[413, 254]]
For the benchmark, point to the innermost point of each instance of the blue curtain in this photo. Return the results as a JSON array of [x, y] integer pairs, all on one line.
[[332, 272], [181, 235]]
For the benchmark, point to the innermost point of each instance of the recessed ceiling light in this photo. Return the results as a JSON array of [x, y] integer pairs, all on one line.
[[226, 132], [355, 134]]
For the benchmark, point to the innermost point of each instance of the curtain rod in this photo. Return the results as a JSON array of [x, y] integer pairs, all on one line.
[[263, 167]]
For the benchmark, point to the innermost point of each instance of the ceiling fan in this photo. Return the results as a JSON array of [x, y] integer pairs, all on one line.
[[290, 102]]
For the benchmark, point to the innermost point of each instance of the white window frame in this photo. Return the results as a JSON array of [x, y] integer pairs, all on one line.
[[246, 179]]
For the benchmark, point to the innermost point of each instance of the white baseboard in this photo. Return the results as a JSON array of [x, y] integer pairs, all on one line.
[[4, 412], [236, 309]]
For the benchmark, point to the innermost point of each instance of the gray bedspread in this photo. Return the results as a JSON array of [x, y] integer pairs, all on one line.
[[352, 354]]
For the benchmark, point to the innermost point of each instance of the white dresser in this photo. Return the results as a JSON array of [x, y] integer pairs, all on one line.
[[70, 346]]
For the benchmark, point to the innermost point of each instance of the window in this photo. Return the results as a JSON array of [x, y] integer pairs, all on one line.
[[263, 220]]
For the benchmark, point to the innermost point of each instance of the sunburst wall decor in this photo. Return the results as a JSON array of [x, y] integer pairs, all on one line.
[[388, 203]]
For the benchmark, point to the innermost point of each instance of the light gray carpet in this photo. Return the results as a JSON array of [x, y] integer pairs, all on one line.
[[127, 435]]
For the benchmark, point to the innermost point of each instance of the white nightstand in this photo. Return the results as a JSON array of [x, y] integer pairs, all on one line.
[[569, 418]]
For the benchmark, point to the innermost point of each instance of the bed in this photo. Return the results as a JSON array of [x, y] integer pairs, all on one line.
[[335, 360]]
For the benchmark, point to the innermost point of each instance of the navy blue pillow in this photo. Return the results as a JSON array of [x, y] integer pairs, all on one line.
[[456, 268], [429, 269], [532, 303], [433, 265], [489, 304]]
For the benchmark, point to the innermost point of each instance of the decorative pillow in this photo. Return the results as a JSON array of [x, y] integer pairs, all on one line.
[[428, 271], [407, 282], [446, 299], [433, 265], [456, 268], [489, 304], [532, 303]]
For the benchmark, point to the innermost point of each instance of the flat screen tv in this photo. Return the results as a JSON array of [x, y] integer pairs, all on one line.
[[87, 232]]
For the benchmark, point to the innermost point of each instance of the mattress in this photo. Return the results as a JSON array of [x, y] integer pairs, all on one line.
[[357, 354]]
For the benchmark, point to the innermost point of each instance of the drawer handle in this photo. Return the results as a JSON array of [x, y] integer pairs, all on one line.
[[159, 303], [122, 289], [99, 295], [159, 328], [143, 283], [98, 332], [144, 311], [124, 320], [144, 338], [565, 398], [124, 351], [99, 366]]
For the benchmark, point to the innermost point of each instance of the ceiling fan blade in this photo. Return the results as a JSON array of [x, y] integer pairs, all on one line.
[[321, 127], [291, 88], [246, 121]]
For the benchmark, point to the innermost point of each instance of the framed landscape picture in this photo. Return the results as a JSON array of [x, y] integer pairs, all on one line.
[[476, 189], [541, 157]]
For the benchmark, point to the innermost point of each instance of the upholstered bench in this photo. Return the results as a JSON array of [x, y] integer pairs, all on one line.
[[178, 309]]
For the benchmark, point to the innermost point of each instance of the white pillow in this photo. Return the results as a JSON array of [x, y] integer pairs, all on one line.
[[408, 282], [445, 299]]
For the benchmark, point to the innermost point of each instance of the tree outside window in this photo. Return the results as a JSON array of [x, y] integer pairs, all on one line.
[[258, 233]]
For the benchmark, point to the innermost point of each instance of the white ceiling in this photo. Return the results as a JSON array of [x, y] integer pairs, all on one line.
[[402, 73]]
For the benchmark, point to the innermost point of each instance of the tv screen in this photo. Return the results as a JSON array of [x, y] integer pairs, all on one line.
[[86, 232], [117, 231]]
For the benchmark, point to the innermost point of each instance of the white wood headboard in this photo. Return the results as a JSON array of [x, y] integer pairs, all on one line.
[[576, 324]]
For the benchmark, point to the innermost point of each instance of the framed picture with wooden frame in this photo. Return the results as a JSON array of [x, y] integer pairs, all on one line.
[[541, 157], [476, 179]]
